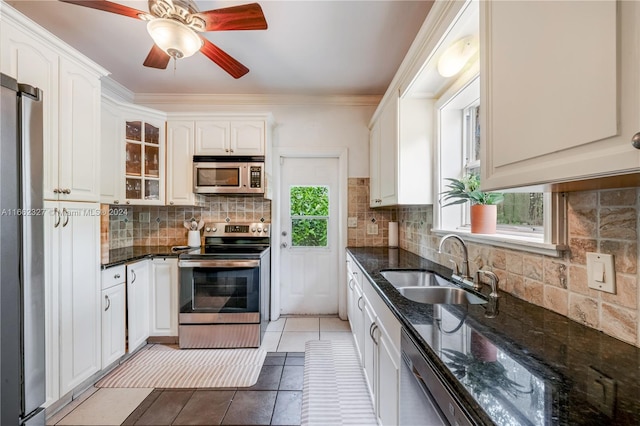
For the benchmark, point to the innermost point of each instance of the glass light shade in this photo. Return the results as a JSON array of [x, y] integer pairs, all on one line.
[[456, 56], [174, 38]]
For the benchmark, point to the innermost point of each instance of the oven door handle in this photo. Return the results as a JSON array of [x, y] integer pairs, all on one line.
[[218, 263]]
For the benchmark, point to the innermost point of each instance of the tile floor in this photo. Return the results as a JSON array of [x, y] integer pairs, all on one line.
[[276, 398]]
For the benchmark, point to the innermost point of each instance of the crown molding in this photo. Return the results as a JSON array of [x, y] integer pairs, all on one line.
[[180, 102], [115, 90], [10, 15]]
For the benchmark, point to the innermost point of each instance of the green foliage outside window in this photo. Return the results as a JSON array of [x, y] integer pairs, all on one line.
[[309, 216]]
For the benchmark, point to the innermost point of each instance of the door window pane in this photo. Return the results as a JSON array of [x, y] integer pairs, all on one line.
[[309, 216], [309, 232]]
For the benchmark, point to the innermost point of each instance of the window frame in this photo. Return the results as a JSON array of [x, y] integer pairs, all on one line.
[[326, 218], [461, 95]]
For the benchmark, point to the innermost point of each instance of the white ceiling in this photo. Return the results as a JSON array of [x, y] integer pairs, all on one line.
[[316, 47]]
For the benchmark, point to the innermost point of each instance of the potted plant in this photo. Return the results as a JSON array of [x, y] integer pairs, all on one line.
[[484, 211]]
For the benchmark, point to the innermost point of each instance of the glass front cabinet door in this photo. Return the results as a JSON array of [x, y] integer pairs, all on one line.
[[144, 162]]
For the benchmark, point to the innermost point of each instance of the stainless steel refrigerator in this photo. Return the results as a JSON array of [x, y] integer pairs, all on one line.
[[22, 327]]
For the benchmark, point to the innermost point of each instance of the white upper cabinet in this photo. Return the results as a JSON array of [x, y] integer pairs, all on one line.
[[401, 152], [560, 94], [180, 137], [71, 96], [230, 137], [79, 143], [132, 154], [111, 154]]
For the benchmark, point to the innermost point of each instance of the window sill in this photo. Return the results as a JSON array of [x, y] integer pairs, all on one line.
[[531, 244]]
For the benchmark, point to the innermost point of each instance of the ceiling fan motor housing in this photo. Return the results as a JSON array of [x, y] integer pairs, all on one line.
[[181, 10]]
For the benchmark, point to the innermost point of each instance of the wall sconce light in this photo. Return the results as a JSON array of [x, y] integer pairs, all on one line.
[[457, 55]]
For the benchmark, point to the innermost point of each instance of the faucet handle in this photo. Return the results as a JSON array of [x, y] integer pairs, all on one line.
[[456, 270], [493, 281]]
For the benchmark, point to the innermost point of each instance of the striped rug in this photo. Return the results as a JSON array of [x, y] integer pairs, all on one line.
[[164, 367], [335, 391]]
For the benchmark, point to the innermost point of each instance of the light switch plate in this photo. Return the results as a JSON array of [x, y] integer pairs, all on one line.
[[352, 222], [596, 264]]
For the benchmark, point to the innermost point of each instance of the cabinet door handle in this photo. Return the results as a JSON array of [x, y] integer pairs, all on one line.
[[116, 202], [56, 190], [373, 337], [358, 303], [65, 213], [171, 202], [116, 276], [371, 329], [106, 298], [56, 213], [133, 276], [231, 150], [66, 191], [350, 281], [226, 150]]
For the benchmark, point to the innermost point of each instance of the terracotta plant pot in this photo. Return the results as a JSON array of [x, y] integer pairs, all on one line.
[[484, 218]]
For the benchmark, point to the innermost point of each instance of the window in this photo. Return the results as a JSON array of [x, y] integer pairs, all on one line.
[[309, 216], [527, 218], [520, 212]]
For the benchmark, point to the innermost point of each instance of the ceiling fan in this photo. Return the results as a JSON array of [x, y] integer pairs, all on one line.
[[174, 26]]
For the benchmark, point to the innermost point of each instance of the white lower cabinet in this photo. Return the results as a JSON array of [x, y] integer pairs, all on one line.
[[114, 314], [164, 297], [137, 304], [72, 262], [369, 359], [377, 334]]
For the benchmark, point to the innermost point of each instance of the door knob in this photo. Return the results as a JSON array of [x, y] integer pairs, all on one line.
[[284, 245]]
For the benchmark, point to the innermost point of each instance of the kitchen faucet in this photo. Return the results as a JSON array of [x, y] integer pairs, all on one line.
[[462, 276]]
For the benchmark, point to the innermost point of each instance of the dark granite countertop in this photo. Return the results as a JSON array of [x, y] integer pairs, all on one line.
[[129, 254], [526, 366]]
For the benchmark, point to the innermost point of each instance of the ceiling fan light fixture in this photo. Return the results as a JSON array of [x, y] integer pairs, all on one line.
[[174, 38]]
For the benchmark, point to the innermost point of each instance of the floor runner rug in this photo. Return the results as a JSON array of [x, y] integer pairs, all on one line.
[[165, 367], [335, 391]]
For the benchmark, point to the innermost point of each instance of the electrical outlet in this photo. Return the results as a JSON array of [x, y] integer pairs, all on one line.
[[601, 391], [144, 217], [601, 273], [352, 222], [372, 228]]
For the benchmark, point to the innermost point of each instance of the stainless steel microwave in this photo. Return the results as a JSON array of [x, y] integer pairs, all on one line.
[[228, 175]]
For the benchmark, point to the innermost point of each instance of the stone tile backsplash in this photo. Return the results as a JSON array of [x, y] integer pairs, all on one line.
[[604, 221], [166, 223], [358, 207]]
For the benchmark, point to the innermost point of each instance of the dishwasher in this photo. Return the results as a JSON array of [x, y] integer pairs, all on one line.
[[424, 398]]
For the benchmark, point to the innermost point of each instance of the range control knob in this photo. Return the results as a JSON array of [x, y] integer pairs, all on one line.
[[266, 229], [259, 229], [207, 229], [215, 230], [253, 230]]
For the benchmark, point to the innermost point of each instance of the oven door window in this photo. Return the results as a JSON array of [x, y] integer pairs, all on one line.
[[219, 177], [225, 290]]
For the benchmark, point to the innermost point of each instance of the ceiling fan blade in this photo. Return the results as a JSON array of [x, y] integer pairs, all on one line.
[[245, 17], [108, 6], [226, 62], [157, 58]]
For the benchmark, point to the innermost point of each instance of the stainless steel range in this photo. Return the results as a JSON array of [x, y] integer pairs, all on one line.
[[225, 287]]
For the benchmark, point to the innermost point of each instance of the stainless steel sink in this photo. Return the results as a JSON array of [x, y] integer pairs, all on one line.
[[438, 295], [413, 278]]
